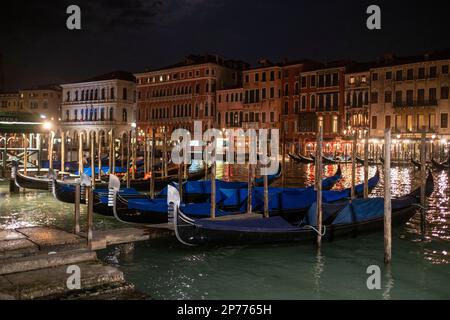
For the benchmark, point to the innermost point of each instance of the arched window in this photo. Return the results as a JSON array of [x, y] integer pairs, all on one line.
[[111, 94], [124, 115], [76, 95], [286, 89], [103, 93], [82, 95], [96, 94], [124, 94], [206, 109], [91, 95], [196, 110], [82, 114], [297, 89], [303, 102], [67, 115], [102, 114], [111, 114], [95, 114]]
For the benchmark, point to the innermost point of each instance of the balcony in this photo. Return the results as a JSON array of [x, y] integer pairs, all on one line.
[[415, 103], [88, 123]]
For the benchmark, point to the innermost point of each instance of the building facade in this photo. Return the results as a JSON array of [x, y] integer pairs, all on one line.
[[10, 102], [101, 105], [411, 95], [322, 92], [44, 100], [357, 92], [173, 97]]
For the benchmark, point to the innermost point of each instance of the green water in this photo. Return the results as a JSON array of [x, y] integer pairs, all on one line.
[[167, 270]]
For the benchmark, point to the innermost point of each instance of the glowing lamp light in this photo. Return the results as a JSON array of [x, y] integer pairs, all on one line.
[[398, 136], [443, 141], [133, 125], [47, 125], [433, 136], [43, 116]]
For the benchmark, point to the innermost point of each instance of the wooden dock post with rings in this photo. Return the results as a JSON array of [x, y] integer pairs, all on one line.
[[387, 198], [423, 178], [366, 164], [318, 182]]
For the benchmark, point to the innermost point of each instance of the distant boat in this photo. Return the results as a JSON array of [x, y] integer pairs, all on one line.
[[440, 165], [300, 158], [339, 220]]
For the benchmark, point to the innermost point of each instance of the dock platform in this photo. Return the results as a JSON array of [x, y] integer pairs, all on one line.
[[34, 263]]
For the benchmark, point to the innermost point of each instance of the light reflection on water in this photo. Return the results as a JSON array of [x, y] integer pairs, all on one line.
[[167, 270]]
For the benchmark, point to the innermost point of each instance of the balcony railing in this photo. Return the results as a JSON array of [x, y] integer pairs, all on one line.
[[416, 103]]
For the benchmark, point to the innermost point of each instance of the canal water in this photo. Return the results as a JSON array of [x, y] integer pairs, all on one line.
[[167, 270]]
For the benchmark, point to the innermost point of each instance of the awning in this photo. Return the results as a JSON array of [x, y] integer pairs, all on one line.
[[21, 122]]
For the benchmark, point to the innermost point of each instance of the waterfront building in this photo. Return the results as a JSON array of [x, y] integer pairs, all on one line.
[[322, 93], [44, 100], [357, 91], [175, 96], [10, 102], [411, 94], [101, 105]]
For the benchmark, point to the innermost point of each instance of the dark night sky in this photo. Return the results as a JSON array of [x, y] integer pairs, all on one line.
[[135, 34]]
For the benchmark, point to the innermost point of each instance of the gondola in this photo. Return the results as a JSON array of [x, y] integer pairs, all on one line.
[[294, 157], [300, 158], [440, 165], [416, 163], [162, 182], [339, 220], [28, 182], [326, 160], [228, 202], [270, 178], [361, 161]]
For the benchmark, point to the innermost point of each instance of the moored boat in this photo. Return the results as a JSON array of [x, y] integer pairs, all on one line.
[[343, 219]]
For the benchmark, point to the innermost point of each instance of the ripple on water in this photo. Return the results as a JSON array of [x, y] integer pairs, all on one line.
[[167, 270]]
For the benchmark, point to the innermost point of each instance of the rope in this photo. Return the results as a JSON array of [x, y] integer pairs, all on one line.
[[317, 231]]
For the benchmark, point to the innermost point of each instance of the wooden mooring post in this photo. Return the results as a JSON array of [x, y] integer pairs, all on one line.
[[76, 216], [354, 146], [92, 156], [80, 154], [387, 198], [128, 157], [50, 149], [366, 164], [423, 178], [99, 155], [266, 195], [318, 182], [90, 214], [63, 150], [213, 179], [152, 166]]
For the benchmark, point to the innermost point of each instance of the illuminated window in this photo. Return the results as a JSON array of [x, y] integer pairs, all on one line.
[[320, 122], [352, 80], [335, 124]]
